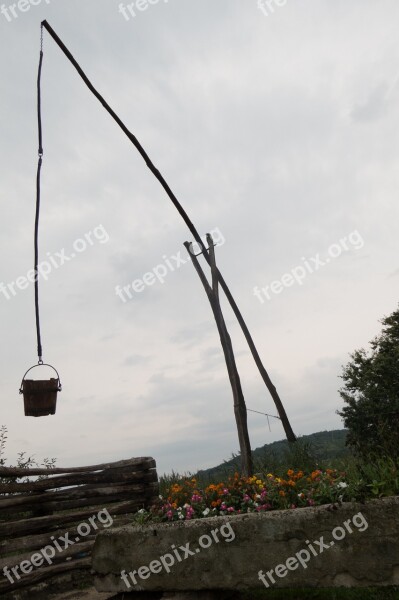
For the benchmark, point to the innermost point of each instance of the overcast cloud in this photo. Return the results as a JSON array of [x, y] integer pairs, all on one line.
[[281, 131]]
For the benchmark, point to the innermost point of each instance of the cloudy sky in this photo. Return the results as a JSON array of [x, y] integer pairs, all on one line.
[[277, 128]]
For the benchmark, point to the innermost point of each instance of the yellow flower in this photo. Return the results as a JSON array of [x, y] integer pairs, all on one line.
[[258, 482]]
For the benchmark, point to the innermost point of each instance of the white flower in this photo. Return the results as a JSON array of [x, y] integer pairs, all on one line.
[[160, 497], [257, 496], [181, 516], [342, 484], [186, 505], [206, 512], [141, 511]]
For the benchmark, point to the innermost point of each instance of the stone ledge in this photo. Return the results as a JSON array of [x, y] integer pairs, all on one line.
[[261, 543]]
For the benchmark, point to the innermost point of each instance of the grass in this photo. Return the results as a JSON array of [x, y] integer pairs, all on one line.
[[375, 477]]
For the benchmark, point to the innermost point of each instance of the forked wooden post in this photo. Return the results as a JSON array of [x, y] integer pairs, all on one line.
[[240, 409]]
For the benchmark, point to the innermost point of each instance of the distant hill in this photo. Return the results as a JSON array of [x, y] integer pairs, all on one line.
[[323, 446]]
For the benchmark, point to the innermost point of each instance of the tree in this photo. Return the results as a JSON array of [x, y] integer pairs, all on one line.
[[371, 394]]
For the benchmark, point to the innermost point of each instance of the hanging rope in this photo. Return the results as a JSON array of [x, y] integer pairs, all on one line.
[[38, 178], [262, 413], [267, 415]]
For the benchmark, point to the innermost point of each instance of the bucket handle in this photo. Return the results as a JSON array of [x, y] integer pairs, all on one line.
[[41, 365]]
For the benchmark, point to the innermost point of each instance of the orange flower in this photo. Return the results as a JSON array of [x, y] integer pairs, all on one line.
[[290, 473], [281, 493]]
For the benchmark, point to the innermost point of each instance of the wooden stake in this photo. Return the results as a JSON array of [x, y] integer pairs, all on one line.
[[240, 410]]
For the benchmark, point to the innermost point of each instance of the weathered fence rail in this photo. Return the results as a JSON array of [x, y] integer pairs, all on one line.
[[37, 514]]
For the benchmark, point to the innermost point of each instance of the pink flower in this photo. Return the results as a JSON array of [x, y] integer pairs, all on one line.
[[263, 507], [230, 509], [311, 502], [189, 512], [223, 506], [226, 491], [169, 514], [196, 498]]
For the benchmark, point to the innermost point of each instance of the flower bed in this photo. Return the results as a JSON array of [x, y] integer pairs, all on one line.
[[185, 500]]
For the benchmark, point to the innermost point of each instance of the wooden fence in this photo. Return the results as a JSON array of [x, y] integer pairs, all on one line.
[[65, 502]]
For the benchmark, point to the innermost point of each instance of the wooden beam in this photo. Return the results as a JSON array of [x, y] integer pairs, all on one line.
[[27, 501], [42, 574], [106, 476], [38, 541], [140, 464], [157, 174], [38, 524]]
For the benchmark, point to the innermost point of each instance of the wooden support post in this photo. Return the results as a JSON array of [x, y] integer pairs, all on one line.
[[240, 410]]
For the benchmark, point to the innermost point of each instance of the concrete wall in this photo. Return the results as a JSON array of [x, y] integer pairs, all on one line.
[[353, 545]]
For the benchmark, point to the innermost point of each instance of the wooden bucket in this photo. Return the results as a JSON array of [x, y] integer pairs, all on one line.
[[40, 395]]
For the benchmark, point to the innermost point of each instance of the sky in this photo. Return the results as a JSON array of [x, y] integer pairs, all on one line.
[[276, 125]]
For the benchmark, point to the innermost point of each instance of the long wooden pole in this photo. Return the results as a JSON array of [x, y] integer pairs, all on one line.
[[270, 386], [240, 410]]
